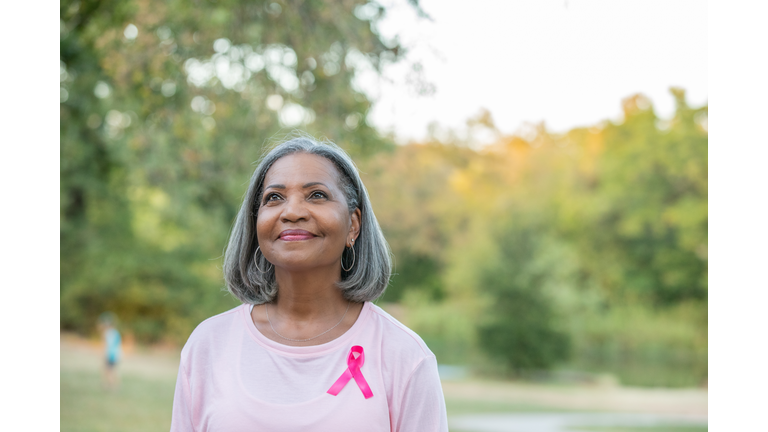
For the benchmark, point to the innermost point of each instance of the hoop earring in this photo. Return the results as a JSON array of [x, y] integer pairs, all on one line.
[[353, 258], [256, 261]]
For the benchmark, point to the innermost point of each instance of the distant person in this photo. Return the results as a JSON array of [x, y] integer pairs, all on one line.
[[112, 349], [307, 351]]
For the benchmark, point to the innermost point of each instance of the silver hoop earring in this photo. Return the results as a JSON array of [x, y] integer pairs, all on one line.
[[256, 261], [353, 258]]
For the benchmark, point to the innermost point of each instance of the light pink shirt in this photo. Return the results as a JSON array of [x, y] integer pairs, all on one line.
[[232, 378]]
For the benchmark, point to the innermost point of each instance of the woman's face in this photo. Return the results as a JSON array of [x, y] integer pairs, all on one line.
[[303, 221]]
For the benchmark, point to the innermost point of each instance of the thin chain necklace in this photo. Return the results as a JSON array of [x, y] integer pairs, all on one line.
[[266, 308]]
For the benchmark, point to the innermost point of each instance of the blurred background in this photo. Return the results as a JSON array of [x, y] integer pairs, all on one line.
[[538, 168]]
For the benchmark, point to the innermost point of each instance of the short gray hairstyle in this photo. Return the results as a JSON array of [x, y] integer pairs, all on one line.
[[372, 268]]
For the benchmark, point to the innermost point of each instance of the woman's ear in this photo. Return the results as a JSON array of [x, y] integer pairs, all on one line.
[[354, 230]]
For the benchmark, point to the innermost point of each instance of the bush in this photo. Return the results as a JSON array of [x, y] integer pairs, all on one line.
[[521, 328], [521, 333]]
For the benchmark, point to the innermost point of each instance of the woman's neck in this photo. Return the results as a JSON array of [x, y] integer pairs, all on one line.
[[308, 306], [307, 296]]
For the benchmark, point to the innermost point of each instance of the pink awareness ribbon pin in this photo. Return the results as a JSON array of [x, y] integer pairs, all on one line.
[[353, 371]]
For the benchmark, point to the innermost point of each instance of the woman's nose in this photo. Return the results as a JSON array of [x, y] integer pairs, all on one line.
[[295, 209]]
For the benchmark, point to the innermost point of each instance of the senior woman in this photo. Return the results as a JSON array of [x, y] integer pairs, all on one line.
[[307, 350]]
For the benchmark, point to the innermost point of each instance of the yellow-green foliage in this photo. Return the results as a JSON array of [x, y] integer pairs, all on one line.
[[608, 224]]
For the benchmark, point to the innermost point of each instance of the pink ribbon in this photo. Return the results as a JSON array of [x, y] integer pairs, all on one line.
[[353, 371]]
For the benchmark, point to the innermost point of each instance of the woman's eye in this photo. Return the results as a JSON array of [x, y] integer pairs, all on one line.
[[271, 197], [318, 194]]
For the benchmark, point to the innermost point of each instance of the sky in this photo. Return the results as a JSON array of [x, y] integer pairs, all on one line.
[[567, 63]]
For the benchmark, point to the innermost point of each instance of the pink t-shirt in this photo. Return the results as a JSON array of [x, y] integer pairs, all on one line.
[[232, 378]]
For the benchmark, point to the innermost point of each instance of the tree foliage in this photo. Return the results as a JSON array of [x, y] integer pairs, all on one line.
[[588, 246], [521, 328], [165, 106], [539, 241]]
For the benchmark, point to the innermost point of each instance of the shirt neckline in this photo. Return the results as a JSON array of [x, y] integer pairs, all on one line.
[[304, 351]]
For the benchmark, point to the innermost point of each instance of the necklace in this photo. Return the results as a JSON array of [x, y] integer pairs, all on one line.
[[266, 308]]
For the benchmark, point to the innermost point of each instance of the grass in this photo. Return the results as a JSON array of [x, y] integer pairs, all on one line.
[[459, 406], [140, 404], [148, 377], [640, 429]]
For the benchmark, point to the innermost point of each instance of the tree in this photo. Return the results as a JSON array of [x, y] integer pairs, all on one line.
[[165, 105], [522, 328], [646, 207]]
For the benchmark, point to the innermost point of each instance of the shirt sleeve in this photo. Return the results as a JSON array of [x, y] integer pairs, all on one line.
[[422, 407], [181, 417]]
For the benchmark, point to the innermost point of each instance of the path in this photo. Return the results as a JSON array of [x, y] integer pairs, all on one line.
[[563, 422]]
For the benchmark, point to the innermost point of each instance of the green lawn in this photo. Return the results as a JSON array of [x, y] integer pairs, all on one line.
[[140, 404], [145, 397], [458, 406]]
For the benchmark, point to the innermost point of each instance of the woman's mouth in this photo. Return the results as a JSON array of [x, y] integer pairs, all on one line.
[[296, 235]]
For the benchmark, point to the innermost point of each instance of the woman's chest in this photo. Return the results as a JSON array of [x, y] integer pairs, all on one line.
[[271, 393], [344, 412]]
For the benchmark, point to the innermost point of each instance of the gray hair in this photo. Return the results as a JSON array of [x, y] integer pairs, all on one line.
[[372, 268]]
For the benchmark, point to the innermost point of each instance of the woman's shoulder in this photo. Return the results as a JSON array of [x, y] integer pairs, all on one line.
[[397, 336], [212, 331]]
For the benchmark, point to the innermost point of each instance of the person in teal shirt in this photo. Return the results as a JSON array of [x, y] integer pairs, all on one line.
[[112, 344]]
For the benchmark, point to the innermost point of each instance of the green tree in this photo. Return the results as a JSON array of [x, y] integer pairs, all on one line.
[[522, 328], [165, 105], [643, 218], [581, 239]]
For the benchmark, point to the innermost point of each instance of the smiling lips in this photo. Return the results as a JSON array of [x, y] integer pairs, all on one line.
[[296, 235]]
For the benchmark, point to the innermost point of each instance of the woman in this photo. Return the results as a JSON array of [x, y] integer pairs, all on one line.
[[307, 350]]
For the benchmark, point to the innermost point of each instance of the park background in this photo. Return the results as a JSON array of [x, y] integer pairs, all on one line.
[[529, 254]]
